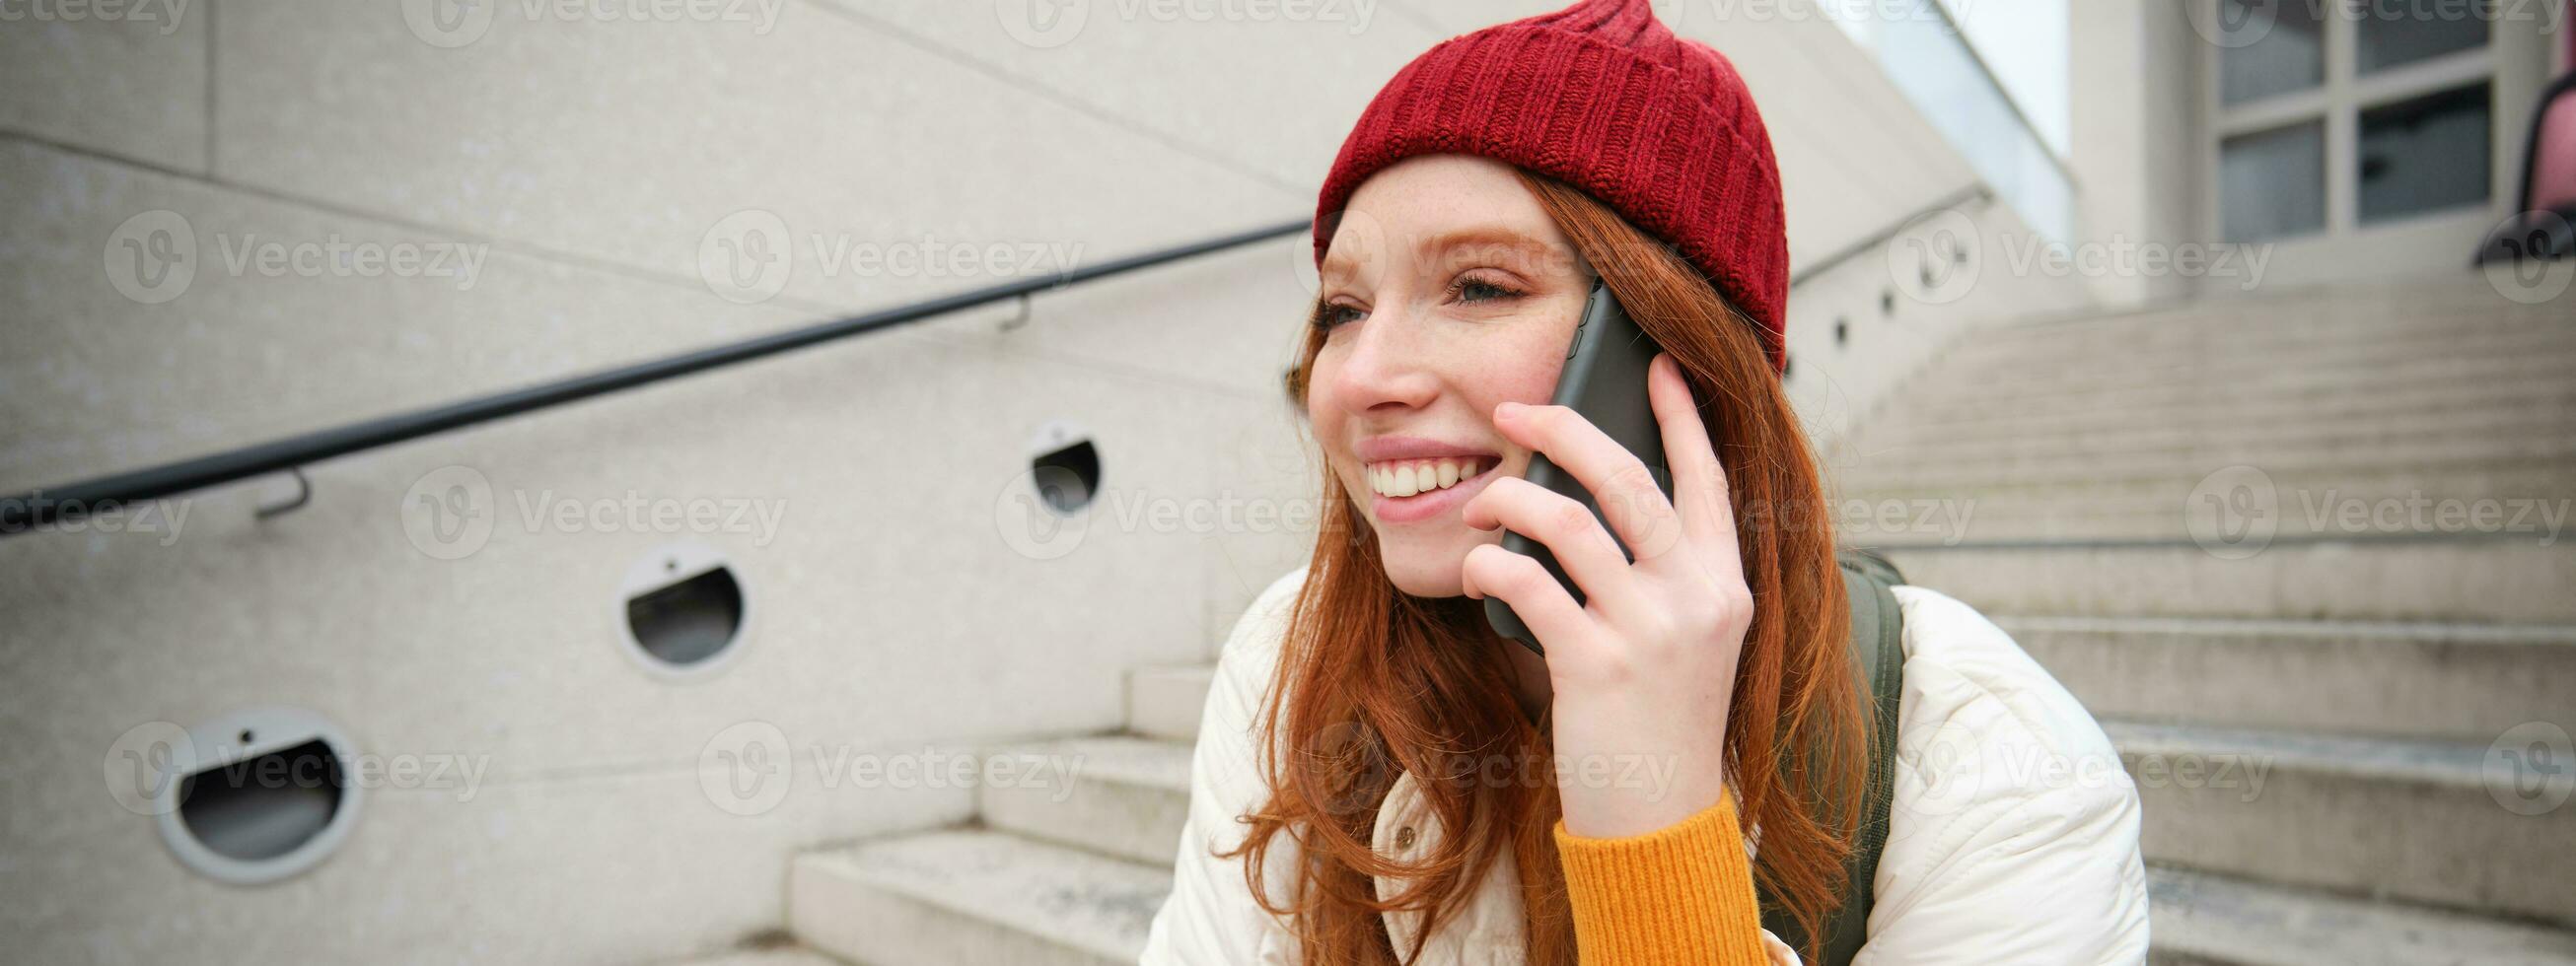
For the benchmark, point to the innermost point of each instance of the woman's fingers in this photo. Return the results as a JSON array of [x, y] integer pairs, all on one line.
[[1699, 481], [1627, 492], [1569, 531], [1551, 614]]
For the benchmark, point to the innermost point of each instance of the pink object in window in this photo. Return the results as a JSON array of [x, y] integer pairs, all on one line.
[[2553, 155]]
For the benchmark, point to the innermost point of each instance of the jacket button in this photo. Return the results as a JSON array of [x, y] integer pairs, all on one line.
[[1404, 837]]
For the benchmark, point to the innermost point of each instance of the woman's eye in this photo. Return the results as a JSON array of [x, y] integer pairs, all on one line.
[[1333, 316], [1472, 289]]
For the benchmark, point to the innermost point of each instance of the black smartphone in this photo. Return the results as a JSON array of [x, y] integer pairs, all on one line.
[[1605, 380]]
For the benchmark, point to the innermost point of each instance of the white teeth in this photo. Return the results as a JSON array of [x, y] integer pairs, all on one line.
[[1409, 477]]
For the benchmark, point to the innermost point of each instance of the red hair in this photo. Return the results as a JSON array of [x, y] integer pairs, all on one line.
[[1372, 680]]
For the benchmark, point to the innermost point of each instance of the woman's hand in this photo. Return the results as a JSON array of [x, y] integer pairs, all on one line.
[[1643, 671]]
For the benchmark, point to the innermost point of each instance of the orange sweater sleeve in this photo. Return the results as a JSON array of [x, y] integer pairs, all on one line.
[[1679, 894]]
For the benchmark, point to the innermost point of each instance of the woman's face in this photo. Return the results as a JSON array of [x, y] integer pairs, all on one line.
[[1447, 292]]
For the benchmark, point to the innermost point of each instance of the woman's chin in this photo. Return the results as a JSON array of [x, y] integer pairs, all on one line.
[[1431, 571]]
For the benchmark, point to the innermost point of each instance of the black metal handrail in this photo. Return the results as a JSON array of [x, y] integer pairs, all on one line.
[[48, 505]]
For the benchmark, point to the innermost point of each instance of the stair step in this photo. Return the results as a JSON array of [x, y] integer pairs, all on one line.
[[2467, 682], [2200, 919], [2491, 580], [2468, 400], [972, 896], [2409, 819], [787, 955], [1128, 797], [1936, 468], [1164, 702]]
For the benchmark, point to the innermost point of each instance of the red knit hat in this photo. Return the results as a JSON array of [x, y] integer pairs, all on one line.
[[1601, 96]]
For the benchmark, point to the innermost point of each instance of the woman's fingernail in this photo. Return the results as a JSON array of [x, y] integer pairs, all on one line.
[[1508, 409]]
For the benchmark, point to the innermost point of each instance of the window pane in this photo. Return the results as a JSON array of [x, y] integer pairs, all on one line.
[[2393, 32], [2289, 54], [2272, 183], [2424, 154]]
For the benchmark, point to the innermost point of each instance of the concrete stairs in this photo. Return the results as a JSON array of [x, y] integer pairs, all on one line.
[[2317, 722], [1050, 875], [2273, 545]]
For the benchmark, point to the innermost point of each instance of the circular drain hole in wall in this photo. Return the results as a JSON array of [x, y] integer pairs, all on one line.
[[1065, 468], [685, 611], [259, 795]]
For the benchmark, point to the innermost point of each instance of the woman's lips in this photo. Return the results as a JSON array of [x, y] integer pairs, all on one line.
[[1429, 503]]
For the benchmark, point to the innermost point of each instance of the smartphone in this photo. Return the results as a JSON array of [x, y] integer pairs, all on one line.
[[1605, 380]]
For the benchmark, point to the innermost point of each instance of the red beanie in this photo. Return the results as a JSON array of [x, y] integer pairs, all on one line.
[[1603, 97]]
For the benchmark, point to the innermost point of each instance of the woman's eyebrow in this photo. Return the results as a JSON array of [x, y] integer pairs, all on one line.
[[1446, 246]]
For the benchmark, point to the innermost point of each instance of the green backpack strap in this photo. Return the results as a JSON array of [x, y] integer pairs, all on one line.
[[1878, 649]]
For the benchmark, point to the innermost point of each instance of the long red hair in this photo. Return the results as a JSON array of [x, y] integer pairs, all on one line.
[[1374, 681]]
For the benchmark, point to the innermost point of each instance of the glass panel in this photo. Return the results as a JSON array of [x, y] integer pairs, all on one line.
[[2393, 32], [1924, 54], [2288, 54], [2423, 154], [2272, 183]]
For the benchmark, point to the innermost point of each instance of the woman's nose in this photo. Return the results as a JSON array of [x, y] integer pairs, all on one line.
[[1386, 366]]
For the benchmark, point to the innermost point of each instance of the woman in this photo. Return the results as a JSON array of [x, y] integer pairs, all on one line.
[[1382, 779]]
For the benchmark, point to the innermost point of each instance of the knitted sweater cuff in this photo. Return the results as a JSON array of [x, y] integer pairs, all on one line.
[[1679, 894]]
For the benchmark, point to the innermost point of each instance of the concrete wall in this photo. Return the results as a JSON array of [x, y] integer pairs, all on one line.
[[597, 176]]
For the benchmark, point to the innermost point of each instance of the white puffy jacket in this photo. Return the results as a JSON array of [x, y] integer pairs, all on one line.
[[2013, 835]]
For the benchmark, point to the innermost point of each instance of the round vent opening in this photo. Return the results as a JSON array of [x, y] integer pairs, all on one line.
[[685, 611], [257, 796]]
